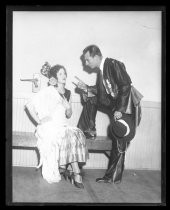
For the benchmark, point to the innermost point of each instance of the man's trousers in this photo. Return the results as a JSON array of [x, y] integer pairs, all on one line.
[[119, 146]]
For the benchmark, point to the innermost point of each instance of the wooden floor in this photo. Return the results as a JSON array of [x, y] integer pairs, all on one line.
[[138, 186]]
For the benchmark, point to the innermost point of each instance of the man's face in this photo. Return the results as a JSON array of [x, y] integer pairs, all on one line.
[[92, 62]]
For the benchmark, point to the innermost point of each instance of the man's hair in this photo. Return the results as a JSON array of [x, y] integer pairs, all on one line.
[[93, 50]]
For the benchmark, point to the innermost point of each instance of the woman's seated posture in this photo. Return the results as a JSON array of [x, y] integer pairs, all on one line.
[[59, 144]]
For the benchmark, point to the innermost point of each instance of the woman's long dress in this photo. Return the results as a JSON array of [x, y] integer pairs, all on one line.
[[58, 143]]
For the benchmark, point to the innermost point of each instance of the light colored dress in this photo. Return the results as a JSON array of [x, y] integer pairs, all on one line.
[[58, 143]]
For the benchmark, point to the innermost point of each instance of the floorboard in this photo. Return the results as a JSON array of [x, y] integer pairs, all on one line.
[[137, 186]]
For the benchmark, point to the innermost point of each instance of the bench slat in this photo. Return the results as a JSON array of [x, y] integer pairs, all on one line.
[[24, 139], [28, 139]]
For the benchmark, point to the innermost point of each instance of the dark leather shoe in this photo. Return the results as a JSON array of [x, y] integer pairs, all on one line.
[[117, 182], [104, 179], [90, 134]]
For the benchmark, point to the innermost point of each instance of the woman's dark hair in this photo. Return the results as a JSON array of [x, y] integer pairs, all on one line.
[[49, 71], [55, 69], [93, 50]]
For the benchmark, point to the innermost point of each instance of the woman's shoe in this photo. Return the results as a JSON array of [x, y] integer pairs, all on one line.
[[67, 175], [73, 181]]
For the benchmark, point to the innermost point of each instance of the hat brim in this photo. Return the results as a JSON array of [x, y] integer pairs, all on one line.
[[118, 128]]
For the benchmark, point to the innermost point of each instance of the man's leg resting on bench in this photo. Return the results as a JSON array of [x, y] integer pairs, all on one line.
[[88, 117]]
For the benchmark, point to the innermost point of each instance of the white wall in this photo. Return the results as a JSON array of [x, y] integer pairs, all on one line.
[[59, 37], [144, 151]]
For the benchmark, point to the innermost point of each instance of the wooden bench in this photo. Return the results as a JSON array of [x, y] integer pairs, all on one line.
[[27, 140]]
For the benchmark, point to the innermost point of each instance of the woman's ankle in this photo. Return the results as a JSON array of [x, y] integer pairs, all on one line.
[[78, 178]]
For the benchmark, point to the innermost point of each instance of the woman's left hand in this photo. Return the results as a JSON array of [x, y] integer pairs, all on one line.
[[45, 119], [66, 103]]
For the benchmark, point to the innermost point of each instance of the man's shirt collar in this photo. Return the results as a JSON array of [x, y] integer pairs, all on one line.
[[102, 64]]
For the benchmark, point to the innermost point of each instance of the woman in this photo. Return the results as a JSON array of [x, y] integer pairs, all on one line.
[[58, 143]]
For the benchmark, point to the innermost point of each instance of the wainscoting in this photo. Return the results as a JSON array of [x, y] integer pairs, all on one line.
[[144, 151]]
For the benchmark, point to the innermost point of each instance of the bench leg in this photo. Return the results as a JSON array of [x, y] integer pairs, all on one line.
[[107, 153], [38, 156]]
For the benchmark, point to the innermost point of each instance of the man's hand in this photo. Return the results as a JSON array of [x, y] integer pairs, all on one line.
[[117, 115], [82, 86]]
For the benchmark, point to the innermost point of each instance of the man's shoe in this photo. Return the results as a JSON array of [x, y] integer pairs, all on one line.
[[104, 180], [117, 182], [90, 134]]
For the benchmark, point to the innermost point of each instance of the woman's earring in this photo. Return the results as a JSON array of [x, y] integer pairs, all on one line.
[[52, 81]]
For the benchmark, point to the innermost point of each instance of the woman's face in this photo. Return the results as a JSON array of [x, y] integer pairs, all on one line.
[[61, 76]]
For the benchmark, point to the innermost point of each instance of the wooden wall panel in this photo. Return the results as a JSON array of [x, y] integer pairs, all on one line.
[[144, 151]]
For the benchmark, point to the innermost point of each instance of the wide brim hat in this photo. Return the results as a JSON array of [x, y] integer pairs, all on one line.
[[119, 128]]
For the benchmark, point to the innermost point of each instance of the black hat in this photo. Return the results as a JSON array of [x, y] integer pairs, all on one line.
[[119, 128]]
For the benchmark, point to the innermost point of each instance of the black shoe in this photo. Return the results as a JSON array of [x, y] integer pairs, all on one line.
[[104, 180], [67, 174], [117, 182], [74, 182], [90, 134]]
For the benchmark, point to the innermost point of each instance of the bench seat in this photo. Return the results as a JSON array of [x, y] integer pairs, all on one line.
[[28, 140]]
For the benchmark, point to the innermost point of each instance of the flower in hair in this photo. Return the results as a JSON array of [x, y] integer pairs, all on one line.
[[45, 70]]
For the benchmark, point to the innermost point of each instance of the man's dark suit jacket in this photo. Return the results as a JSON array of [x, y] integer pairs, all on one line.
[[118, 86]]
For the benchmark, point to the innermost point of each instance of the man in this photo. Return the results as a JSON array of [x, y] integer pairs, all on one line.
[[114, 94]]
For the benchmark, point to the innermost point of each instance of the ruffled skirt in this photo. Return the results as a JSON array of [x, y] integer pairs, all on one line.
[[59, 145]]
